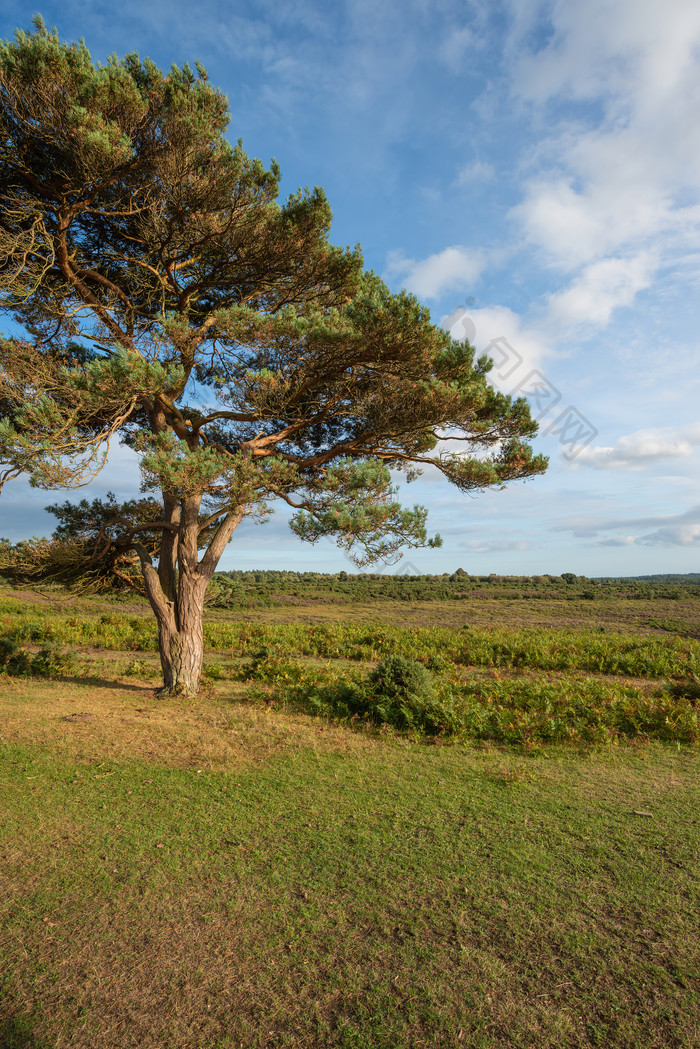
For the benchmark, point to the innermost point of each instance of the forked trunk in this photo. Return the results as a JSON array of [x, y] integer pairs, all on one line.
[[176, 592]]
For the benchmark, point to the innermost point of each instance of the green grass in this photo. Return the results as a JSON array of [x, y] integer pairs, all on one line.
[[401, 896], [233, 873]]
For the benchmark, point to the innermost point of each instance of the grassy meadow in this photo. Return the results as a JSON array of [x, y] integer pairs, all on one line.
[[505, 854]]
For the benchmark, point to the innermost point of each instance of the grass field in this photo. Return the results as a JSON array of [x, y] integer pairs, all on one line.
[[233, 872]]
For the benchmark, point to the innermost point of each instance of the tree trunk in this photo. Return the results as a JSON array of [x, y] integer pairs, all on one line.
[[181, 641], [176, 592], [180, 630]]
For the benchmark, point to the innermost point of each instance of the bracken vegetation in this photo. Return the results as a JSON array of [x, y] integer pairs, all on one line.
[[527, 686], [382, 825]]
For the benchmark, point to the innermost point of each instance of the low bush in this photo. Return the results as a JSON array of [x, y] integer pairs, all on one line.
[[141, 669], [399, 692], [14, 660], [527, 711], [270, 668], [53, 661], [215, 672], [50, 662]]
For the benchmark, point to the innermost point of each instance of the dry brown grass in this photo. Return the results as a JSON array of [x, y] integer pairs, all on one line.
[[126, 722], [628, 617]]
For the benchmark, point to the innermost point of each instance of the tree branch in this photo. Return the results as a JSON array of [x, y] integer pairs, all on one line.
[[228, 526]]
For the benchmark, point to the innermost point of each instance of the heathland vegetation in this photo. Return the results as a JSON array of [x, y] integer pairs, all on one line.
[[616, 658], [404, 811]]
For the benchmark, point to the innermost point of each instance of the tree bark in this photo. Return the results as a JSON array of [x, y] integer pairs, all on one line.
[[176, 593], [180, 627], [181, 639]]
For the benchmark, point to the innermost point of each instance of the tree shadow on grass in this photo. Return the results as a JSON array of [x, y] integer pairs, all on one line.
[[16, 1033], [100, 682]]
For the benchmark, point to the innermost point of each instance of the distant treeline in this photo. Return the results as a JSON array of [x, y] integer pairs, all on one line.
[[241, 587], [686, 578]]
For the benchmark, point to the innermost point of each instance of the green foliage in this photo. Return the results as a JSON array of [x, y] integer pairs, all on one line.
[[247, 588], [399, 692], [399, 678], [521, 712], [51, 661], [133, 226], [438, 648], [214, 672], [574, 710], [54, 661], [138, 668], [356, 505], [14, 660], [272, 668], [520, 687]]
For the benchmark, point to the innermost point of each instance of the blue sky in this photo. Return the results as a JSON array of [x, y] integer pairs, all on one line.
[[531, 170]]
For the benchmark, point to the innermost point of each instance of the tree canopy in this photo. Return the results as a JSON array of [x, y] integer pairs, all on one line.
[[167, 299]]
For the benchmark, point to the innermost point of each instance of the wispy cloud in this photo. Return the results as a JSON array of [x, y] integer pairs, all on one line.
[[451, 270], [476, 171], [487, 546], [458, 43], [642, 449], [601, 288], [681, 529]]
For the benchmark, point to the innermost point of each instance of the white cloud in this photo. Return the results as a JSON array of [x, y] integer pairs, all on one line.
[[624, 47], [619, 176], [496, 330], [451, 270], [672, 535], [602, 287], [641, 449], [577, 226]]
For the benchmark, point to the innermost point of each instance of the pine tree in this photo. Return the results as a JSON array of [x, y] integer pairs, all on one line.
[[167, 299]]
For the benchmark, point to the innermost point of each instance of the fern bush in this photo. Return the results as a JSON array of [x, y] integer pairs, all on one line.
[[399, 692], [14, 660], [50, 662]]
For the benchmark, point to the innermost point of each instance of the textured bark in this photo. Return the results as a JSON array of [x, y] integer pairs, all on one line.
[[176, 593], [181, 639], [167, 561], [180, 628]]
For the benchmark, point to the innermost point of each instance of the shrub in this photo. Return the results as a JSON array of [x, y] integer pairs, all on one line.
[[398, 677], [14, 660], [398, 692], [49, 662], [52, 661]]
